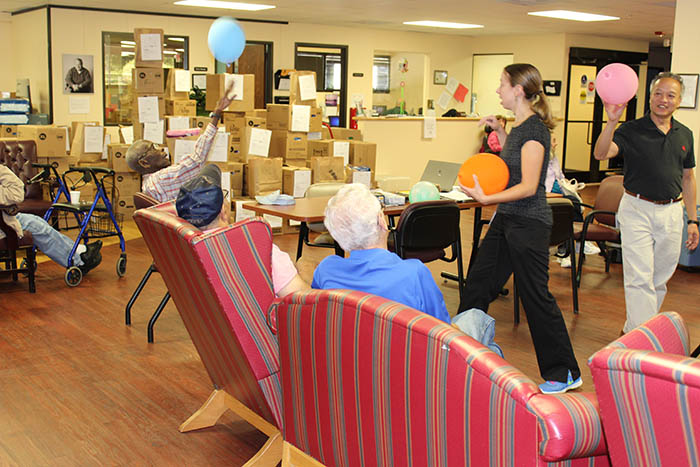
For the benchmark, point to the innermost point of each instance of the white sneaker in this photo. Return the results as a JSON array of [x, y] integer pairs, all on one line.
[[566, 262], [590, 248]]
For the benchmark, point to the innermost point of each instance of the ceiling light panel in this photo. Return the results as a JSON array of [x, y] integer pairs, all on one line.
[[443, 24], [573, 15], [225, 5]]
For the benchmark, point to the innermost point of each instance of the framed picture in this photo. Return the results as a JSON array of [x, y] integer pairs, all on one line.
[[689, 99], [439, 77], [199, 80], [77, 70]]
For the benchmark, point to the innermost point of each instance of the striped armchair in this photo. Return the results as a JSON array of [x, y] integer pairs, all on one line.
[[367, 381], [649, 391], [221, 285]]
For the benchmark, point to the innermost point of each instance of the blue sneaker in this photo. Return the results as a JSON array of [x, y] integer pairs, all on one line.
[[557, 387]]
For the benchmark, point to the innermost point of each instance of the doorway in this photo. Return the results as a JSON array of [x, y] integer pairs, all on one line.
[[256, 59], [330, 62], [585, 115]]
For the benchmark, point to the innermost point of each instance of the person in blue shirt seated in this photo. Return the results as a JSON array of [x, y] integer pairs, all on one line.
[[355, 219]]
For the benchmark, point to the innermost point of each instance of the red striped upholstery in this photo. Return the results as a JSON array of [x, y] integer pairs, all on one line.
[[649, 391], [367, 381], [221, 284]]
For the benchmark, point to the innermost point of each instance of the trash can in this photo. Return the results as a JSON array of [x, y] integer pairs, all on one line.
[[688, 259]]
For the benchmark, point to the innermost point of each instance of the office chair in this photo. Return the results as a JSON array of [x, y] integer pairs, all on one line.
[[562, 231], [424, 230], [599, 224], [143, 201]]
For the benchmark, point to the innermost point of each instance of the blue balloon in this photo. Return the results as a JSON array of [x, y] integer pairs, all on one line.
[[423, 191], [226, 40]]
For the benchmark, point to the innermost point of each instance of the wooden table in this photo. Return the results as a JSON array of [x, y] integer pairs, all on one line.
[[311, 210]]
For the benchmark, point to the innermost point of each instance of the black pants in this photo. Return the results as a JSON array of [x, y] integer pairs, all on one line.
[[519, 245]]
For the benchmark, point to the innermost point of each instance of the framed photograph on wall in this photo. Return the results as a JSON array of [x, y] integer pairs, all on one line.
[[689, 99], [439, 77], [78, 72]]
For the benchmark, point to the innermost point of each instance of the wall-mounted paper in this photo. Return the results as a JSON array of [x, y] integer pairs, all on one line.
[[182, 80], [78, 105], [342, 149], [127, 134], [364, 177], [219, 148], [153, 132], [108, 141], [301, 116], [444, 100], [178, 123], [429, 126], [148, 109], [151, 48], [259, 142], [238, 89], [183, 147], [302, 180], [452, 84], [307, 87], [94, 138]]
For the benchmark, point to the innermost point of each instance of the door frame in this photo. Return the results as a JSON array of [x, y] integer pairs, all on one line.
[[598, 58], [343, 74]]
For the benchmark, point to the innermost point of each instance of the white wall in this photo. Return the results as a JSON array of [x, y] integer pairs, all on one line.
[[686, 37], [7, 76], [30, 56]]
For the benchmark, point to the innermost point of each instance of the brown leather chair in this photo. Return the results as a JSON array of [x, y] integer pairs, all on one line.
[[19, 155], [143, 201], [10, 245]]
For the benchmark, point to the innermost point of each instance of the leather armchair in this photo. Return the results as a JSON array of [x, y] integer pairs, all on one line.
[[648, 390], [19, 155], [10, 244], [367, 381]]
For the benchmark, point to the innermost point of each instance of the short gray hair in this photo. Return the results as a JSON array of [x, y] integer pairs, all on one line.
[[667, 74], [352, 217]]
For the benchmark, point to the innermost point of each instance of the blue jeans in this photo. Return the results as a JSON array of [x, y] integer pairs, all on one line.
[[50, 241]]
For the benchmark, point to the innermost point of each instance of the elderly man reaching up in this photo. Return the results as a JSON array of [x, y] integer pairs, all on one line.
[[355, 219]]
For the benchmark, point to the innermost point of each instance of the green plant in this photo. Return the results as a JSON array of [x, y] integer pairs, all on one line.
[[199, 95]]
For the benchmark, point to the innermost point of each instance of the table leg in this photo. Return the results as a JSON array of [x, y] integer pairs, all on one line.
[[303, 232]]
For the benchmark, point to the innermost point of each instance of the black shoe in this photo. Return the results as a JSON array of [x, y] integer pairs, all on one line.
[[93, 248], [91, 257]]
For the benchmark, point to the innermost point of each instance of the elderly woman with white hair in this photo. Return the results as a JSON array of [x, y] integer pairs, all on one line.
[[355, 219]]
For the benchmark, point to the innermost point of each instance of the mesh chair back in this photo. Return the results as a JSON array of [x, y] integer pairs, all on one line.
[[221, 284], [608, 198], [427, 225]]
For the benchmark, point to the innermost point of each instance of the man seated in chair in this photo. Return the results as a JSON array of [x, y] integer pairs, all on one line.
[[200, 202], [356, 221], [48, 240], [161, 180]]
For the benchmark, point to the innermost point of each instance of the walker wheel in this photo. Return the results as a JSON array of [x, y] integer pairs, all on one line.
[[121, 265], [73, 276]]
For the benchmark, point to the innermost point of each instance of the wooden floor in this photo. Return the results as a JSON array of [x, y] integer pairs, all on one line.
[[78, 387]]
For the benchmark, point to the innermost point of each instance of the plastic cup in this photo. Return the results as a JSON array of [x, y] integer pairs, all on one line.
[[75, 197]]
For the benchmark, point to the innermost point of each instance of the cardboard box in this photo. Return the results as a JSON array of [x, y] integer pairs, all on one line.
[[181, 107], [257, 113], [126, 184], [147, 80], [363, 153], [200, 122], [173, 150], [236, 126], [62, 163], [116, 154], [78, 146], [216, 84], [135, 108], [170, 92], [124, 206], [236, 171], [246, 137], [264, 175], [353, 175], [327, 169], [342, 133], [278, 117], [295, 91], [288, 145], [320, 148], [74, 128], [229, 117], [51, 141], [316, 122], [140, 62], [295, 181], [8, 131], [234, 153]]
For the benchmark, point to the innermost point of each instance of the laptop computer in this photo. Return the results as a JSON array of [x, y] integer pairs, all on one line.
[[442, 174]]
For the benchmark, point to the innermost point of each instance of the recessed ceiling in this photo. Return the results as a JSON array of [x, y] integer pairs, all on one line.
[[640, 19]]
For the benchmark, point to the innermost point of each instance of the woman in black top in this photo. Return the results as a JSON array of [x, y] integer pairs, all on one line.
[[517, 241]]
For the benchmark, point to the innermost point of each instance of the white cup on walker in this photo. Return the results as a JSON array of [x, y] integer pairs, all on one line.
[[74, 197]]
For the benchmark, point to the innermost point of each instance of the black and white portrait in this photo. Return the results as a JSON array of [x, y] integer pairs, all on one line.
[[77, 72]]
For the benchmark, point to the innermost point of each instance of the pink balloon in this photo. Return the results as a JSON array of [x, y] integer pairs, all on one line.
[[616, 83]]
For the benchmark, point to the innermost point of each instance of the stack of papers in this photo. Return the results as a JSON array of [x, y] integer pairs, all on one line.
[[456, 195]]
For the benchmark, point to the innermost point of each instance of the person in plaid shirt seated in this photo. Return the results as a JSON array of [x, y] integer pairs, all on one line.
[[161, 180]]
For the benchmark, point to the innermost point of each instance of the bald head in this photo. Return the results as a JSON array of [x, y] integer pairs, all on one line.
[[146, 157]]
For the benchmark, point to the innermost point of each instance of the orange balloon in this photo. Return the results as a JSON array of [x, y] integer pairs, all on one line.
[[491, 170]]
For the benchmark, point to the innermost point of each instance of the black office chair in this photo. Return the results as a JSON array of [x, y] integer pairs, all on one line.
[[425, 230], [562, 231], [143, 201]]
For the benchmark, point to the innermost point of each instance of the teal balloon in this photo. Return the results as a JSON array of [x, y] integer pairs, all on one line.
[[226, 40], [423, 191]]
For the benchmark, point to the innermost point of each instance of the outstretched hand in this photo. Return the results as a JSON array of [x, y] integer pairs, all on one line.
[[226, 99], [614, 111]]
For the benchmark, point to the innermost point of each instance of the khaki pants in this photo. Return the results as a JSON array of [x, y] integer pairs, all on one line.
[[651, 245]]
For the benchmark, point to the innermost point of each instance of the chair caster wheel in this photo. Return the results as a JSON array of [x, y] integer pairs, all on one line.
[[73, 276]]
